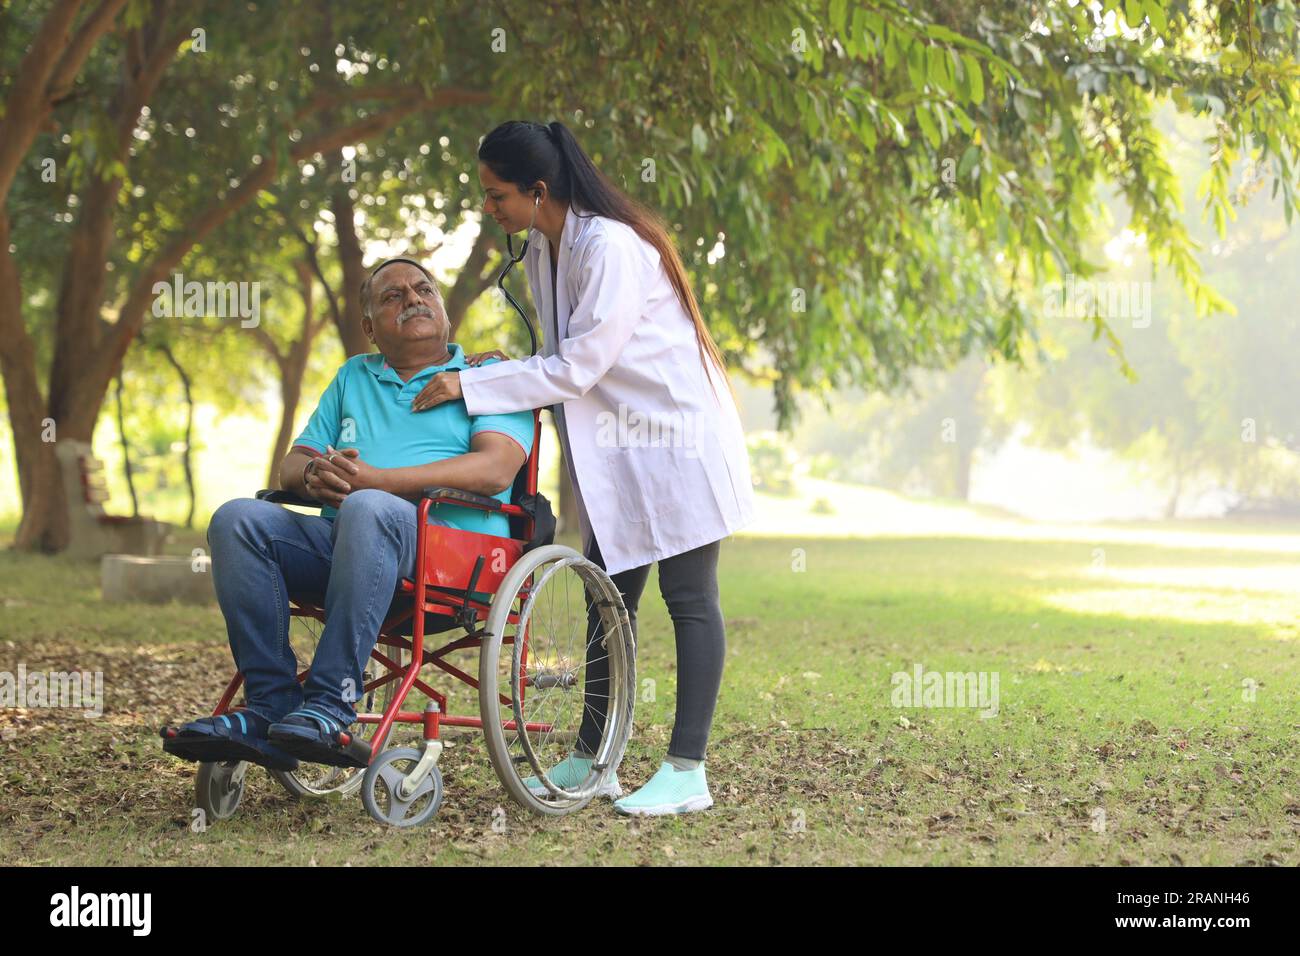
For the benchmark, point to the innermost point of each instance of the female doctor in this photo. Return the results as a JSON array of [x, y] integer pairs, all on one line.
[[624, 343]]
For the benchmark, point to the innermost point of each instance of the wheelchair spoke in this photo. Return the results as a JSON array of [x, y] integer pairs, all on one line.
[[564, 677]]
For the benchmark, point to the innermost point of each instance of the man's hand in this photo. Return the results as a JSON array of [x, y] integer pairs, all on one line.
[[325, 482], [443, 387], [338, 473]]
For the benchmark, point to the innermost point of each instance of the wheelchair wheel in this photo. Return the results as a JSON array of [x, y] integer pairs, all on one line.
[[218, 788], [385, 794], [319, 780], [533, 676]]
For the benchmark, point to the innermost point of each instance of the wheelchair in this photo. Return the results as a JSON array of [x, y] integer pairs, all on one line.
[[523, 603]]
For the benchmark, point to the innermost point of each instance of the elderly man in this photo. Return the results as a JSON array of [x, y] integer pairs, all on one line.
[[367, 458]]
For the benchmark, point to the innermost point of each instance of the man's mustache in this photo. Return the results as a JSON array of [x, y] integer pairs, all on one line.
[[411, 312]]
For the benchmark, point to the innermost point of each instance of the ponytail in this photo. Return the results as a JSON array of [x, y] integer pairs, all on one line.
[[523, 153]]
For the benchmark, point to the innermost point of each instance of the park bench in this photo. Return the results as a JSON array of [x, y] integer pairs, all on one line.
[[92, 531]]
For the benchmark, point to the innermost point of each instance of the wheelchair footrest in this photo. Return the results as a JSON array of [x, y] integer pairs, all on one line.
[[358, 751], [340, 750]]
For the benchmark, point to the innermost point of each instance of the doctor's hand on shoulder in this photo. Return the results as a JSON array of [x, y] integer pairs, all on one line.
[[445, 386]]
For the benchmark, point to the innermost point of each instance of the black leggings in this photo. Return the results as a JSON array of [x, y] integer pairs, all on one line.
[[689, 585]]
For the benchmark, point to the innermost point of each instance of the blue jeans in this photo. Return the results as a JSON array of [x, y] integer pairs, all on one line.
[[262, 552]]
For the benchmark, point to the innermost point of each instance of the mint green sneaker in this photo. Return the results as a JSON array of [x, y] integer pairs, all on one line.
[[570, 772], [669, 791]]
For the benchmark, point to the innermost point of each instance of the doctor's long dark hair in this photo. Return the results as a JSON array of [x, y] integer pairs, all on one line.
[[522, 153]]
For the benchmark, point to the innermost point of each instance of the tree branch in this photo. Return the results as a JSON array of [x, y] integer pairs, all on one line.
[[145, 81], [26, 106], [74, 55], [314, 261], [264, 339]]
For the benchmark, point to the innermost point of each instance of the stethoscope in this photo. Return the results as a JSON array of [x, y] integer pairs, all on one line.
[[511, 261]]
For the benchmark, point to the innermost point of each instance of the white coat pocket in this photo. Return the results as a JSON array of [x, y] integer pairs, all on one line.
[[648, 481]]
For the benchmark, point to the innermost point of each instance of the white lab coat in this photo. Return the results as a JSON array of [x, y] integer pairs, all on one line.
[[655, 447]]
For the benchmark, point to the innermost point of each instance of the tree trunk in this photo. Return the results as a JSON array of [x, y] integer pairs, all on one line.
[[18, 365], [187, 458], [290, 395], [81, 297], [45, 525], [566, 509], [293, 369], [354, 273], [126, 450], [470, 282], [79, 375], [1171, 506], [45, 75]]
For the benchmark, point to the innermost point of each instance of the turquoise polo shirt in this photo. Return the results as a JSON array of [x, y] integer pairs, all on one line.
[[368, 407]]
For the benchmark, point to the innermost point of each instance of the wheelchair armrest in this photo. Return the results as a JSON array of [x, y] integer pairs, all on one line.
[[279, 497], [467, 498]]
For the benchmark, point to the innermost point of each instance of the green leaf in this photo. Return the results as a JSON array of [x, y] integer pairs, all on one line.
[[699, 139], [976, 79], [839, 15], [1023, 106], [937, 70], [867, 133], [1156, 14], [862, 42], [916, 66], [928, 127], [891, 50], [968, 160]]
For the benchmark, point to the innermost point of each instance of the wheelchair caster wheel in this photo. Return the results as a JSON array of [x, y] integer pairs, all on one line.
[[218, 788], [385, 794]]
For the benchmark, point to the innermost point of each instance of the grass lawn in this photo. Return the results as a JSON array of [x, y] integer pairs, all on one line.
[[1147, 714]]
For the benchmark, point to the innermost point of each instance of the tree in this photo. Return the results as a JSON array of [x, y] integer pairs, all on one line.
[[1211, 399], [860, 190], [61, 42]]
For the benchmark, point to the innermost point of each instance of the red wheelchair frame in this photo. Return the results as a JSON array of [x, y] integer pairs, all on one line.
[[468, 563]]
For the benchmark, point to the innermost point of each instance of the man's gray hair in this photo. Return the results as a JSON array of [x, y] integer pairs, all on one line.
[[365, 286]]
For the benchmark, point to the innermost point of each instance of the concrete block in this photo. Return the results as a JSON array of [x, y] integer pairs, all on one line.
[[156, 579]]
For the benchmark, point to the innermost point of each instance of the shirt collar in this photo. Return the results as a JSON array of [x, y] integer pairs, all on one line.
[[576, 221], [379, 367]]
